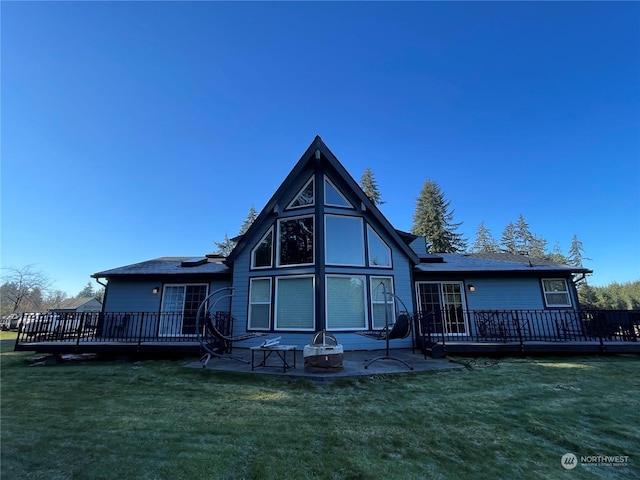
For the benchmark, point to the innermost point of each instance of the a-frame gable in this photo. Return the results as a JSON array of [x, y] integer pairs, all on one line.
[[317, 152]]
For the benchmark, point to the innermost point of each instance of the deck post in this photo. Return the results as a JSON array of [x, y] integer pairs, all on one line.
[[140, 330], [80, 328], [519, 330]]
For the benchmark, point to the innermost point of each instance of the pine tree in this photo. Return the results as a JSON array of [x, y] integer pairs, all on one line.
[[370, 187], [434, 221], [226, 246], [87, 291], [508, 239], [576, 252], [556, 255], [484, 243], [251, 216]]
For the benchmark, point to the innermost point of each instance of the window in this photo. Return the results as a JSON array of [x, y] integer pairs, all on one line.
[[260, 303], [446, 301], [344, 241], [295, 303], [295, 246], [380, 302], [346, 302], [305, 197], [556, 292], [379, 252], [333, 197], [262, 254], [179, 308]]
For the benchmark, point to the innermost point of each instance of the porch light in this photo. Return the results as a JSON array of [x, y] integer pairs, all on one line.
[[155, 290], [472, 288]]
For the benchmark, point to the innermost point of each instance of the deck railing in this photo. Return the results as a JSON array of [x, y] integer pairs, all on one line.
[[495, 326], [443, 326]]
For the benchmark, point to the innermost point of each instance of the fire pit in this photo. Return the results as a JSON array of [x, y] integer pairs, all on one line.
[[323, 354]]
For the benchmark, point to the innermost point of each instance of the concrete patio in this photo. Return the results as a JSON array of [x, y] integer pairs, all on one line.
[[354, 365]]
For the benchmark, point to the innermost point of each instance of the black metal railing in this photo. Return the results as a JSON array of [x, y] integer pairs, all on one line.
[[486, 326], [113, 327]]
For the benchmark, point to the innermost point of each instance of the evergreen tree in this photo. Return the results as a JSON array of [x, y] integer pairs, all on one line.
[[370, 187], [484, 243], [576, 252], [508, 239], [251, 216], [434, 221], [87, 291], [523, 236], [226, 246], [556, 255]]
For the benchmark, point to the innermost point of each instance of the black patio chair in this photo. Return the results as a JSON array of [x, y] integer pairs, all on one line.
[[400, 329]]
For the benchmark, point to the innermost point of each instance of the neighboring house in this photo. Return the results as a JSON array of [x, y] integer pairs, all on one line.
[[78, 305], [319, 256]]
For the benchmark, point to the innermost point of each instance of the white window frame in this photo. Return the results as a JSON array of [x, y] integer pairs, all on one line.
[[326, 249], [559, 292], [390, 300], [364, 303], [262, 239], [333, 185], [370, 231], [276, 327], [278, 249], [251, 303], [291, 205]]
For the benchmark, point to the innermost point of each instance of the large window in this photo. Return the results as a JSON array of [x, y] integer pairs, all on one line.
[[445, 301], [295, 303], [344, 240], [179, 307], [382, 304], [556, 292], [379, 252], [262, 254], [346, 302], [295, 246], [260, 304]]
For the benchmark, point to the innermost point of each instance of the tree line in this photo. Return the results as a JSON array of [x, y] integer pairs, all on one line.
[[29, 290]]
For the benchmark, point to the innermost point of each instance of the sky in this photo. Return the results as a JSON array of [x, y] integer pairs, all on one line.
[[131, 131]]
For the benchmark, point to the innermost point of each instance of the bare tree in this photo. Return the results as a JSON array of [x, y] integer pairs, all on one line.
[[23, 289]]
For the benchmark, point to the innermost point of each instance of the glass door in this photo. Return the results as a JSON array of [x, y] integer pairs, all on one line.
[[444, 302]]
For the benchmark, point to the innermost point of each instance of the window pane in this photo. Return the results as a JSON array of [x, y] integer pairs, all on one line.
[[333, 197], [380, 303], [344, 241], [259, 317], [260, 290], [262, 253], [295, 303], [305, 196], [296, 241], [379, 252], [173, 298], [556, 292], [345, 303]]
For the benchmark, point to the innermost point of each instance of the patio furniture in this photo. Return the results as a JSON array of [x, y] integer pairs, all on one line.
[[400, 329], [280, 351], [215, 331]]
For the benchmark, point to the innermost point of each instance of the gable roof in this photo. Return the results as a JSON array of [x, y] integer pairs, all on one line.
[[74, 303], [496, 262], [308, 157]]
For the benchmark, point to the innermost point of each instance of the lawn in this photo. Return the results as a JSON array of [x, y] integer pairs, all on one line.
[[157, 419]]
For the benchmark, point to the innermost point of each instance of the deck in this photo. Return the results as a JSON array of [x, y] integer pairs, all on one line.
[[437, 334]]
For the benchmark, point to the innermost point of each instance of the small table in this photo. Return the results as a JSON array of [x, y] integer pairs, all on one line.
[[279, 350]]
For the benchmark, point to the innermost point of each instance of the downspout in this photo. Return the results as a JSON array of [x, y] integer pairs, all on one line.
[[104, 299]]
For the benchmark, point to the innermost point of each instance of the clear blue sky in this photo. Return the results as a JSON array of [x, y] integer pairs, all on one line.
[[132, 131]]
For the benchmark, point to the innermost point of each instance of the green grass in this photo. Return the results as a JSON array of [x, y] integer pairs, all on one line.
[[156, 419]]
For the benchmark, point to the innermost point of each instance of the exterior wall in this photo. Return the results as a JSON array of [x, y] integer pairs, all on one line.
[[132, 296], [91, 306], [505, 294]]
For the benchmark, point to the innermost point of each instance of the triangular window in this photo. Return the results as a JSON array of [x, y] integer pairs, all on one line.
[[262, 254], [305, 197], [333, 197]]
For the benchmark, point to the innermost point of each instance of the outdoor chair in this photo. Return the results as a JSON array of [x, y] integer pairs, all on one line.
[[121, 325], [215, 331], [400, 329]]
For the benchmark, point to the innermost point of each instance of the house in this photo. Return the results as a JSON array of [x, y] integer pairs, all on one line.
[[322, 256], [78, 305]]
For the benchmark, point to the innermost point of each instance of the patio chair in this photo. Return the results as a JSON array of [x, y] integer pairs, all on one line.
[[120, 327], [215, 332], [400, 329]]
